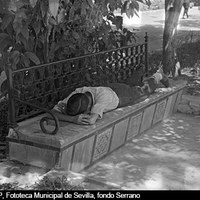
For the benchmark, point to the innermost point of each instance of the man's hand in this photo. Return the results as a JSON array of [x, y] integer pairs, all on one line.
[[86, 119]]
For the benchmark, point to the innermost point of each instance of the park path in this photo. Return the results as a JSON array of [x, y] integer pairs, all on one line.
[[166, 157], [152, 22]]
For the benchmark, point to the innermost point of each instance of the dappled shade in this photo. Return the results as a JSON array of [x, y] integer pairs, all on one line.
[[165, 157]]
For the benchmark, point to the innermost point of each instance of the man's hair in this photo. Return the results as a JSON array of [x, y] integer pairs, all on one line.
[[77, 104]]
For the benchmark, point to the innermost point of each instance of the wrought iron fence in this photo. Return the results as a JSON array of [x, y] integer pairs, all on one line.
[[37, 89]]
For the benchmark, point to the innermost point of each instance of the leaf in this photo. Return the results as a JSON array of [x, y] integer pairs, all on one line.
[[128, 13], [136, 13], [15, 58], [134, 6], [88, 77], [71, 13], [20, 38], [44, 7], [52, 50], [52, 21], [36, 27], [3, 36], [7, 19], [26, 61], [33, 3], [32, 57], [17, 26], [10, 30], [90, 2], [75, 35], [30, 44], [111, 17], [24, 31], [26, 2], [83, 8], [14, 54], [18, 22], [5, 41], [124, 7], [118, 22], [21, 15], [19, 4], [112, 5], [147, 2]]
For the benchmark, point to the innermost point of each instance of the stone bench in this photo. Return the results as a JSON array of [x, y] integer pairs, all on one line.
[[76, 147]]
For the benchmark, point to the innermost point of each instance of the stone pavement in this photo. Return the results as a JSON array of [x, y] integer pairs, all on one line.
[[167, 157]]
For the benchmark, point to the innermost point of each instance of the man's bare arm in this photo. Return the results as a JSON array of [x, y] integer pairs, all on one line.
[[90, 119], [64, 117], [82, 119]]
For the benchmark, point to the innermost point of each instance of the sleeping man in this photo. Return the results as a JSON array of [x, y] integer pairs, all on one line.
[[88, 104]]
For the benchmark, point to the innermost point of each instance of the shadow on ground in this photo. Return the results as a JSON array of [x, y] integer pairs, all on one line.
[[166, 157]]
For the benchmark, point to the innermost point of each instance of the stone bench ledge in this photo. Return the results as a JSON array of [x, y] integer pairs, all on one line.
[[75, 147], [29, 130]]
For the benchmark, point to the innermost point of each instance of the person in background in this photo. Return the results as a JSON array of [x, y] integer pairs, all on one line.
[[186, 6], [191, 5], [177, 67], [87, 104]]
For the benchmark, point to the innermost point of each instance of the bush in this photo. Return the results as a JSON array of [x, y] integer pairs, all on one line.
[[188, 48], [188, 54]]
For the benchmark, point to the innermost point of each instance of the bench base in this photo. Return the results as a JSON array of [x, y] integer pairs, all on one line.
[[76, 147]]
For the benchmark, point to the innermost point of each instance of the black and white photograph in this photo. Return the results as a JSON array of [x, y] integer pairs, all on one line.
[[99, 99]]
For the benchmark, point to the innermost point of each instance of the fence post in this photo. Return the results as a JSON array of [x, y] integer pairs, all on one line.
[[146, 54], [11, 104]]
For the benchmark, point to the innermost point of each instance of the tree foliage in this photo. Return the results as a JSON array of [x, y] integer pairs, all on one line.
[[32, 35], [22, 33]]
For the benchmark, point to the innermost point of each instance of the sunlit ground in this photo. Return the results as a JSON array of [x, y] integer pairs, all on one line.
[[152, 22], [166, 157], [27, 178], [157, 18], [133, 20], [19, 175]]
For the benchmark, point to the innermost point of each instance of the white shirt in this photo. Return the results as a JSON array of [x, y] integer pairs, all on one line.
[[104, 99], [157, 77]]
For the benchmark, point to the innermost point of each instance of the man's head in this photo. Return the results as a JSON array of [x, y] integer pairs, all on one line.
[[79, 103]]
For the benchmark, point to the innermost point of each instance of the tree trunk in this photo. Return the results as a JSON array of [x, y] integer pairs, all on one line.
[[172, 12]]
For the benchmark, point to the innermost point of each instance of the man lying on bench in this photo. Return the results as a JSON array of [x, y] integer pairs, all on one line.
[[87, 104]]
